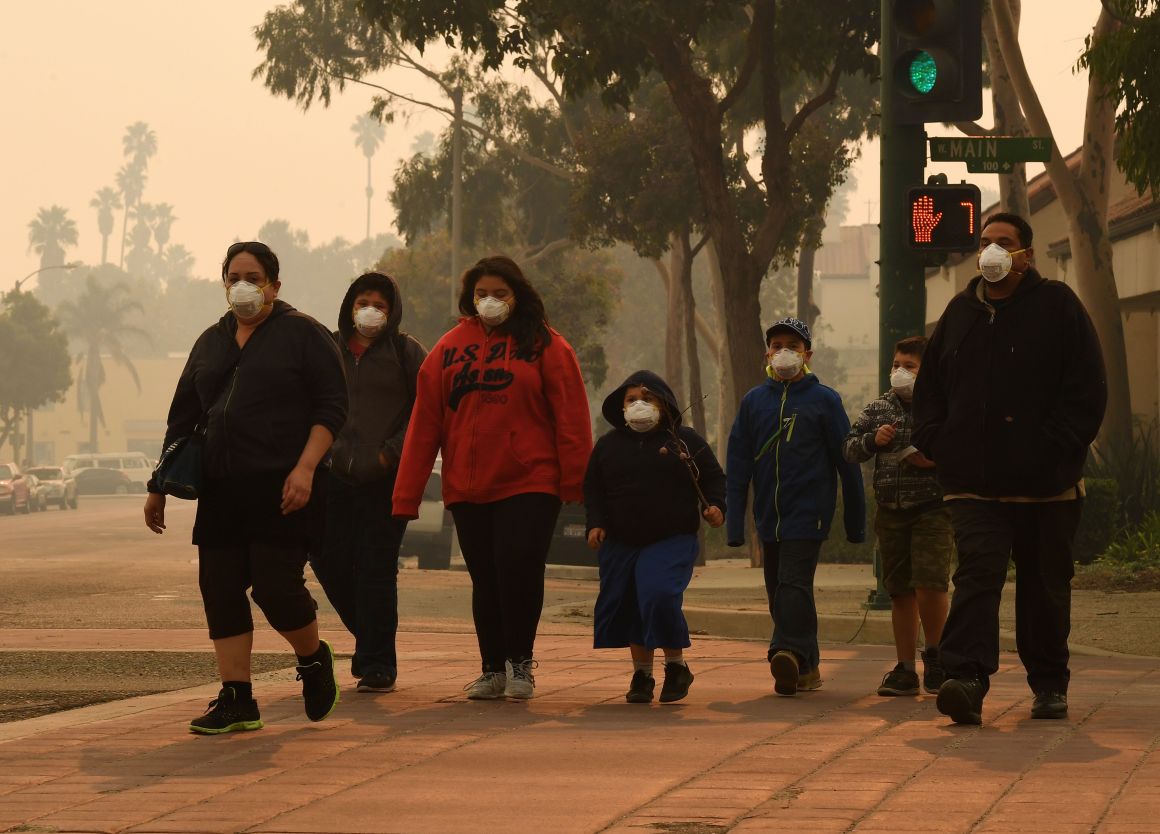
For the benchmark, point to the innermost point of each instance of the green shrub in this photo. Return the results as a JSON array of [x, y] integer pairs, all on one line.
[[1137, 550], [1135, 467], [1100, 521]]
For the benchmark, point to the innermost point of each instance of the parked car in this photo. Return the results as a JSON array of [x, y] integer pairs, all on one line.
[[62, 488], [37, 493], [136, 466], [429, 535], [13, 490], [98, 481]]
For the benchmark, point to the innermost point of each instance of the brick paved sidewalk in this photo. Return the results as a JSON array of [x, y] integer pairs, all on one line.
[[578, 759]]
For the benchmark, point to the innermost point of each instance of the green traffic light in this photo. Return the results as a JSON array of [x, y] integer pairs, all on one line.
[[922, 72]]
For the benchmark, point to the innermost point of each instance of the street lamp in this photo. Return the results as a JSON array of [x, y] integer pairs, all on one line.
[[35, 272]]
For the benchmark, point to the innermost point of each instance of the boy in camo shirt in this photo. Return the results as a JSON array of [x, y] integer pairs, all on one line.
[[912, 525]]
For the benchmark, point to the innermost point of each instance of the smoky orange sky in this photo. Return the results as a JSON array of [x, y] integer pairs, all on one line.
[[230, 156]]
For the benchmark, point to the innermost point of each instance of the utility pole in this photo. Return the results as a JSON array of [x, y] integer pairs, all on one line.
[[456, 199]]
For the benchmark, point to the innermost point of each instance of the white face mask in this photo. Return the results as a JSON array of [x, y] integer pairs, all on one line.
[[369, 321], [492, 311], [995, 262], [246, 299], [902, 382], [642, 416], [786, 363]]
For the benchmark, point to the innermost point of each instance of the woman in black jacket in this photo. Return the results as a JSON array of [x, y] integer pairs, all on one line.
[[358, 566], [267, 383]]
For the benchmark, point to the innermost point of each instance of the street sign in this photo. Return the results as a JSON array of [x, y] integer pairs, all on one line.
[[990, 166], [992, 149], [943, 218]]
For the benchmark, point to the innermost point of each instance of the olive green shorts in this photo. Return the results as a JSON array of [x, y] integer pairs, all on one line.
[[917, 547]]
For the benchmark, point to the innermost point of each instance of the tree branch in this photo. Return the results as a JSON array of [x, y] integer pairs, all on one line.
[[544, 251], [538, 71], [700, 245], [973, 129], [705, 333], [1066, 188], [813, 105], [745, 74]]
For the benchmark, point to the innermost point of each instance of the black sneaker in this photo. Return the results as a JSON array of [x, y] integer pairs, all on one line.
[[962, 700], [933, 673], [678, 679], [640, 691], [377, 681], [785, 669], [226, 714], [319, 683], [1049, 705], [899, 681]]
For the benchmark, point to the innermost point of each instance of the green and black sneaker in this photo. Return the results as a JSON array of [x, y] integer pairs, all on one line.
[[319, 682], [227, 714]]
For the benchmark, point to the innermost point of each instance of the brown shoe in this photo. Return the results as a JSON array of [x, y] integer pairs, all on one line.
[[809, 681], [784, 667]]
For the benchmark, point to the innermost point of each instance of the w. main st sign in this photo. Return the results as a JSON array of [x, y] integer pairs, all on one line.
[[990, 154]]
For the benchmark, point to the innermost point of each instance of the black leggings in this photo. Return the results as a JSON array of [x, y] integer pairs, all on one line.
[[505, 545], [275, 572]]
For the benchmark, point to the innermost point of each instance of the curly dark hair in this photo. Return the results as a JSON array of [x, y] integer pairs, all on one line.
[[528, 323]]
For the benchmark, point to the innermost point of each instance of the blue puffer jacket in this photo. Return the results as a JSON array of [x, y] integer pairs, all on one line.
[[787, 440]]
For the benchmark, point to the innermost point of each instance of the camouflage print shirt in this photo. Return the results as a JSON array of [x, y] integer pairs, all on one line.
[[896, 484]]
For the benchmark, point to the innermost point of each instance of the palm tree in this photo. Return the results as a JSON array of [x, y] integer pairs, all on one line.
[[368, 135], [140, 256], [49, 233], [177, 262], [98, 320], [131, 184], [106, 201], [139, 143], [163, 221]]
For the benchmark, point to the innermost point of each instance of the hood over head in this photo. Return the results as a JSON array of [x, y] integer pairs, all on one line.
[[378, 282], [613, 408]]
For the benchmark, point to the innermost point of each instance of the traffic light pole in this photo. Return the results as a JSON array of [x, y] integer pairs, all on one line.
[[901, 273]]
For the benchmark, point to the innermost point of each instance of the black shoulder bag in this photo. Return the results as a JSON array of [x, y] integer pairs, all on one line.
[[181, 467]]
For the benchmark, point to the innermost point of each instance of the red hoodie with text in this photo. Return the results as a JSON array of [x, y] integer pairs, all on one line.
[[507, 422]]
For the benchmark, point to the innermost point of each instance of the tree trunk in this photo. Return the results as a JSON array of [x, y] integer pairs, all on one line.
[[124, 234], [104, 249], [456, 200], [675, 320], [370, 193], [807, 311], [689, 308], [1009, 119], [1084, 201]]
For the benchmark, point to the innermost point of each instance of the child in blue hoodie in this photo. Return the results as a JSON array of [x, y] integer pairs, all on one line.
[[787, 440], [649, 483]]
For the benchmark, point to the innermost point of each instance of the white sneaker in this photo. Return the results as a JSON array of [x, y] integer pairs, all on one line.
[[521, 683], [487, 687]]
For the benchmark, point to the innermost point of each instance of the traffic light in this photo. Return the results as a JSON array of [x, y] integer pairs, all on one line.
[[943, 218], [937, 72]]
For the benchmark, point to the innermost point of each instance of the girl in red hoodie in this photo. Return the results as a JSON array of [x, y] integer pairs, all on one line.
[[502, 397]]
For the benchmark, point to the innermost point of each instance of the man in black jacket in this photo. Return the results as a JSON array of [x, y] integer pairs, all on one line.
[[1012, 393]]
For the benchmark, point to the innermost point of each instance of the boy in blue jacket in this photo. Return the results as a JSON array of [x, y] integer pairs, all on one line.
[[787, 440]]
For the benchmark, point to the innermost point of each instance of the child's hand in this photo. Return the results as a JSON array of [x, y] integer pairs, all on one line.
[[885, 435], [714, 516], [596, 537]]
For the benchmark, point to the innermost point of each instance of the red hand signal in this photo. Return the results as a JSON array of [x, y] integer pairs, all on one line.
[[923, 218]]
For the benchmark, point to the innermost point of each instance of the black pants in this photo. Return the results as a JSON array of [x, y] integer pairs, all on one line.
[[789, 568], [358, 568], [505, 545], [274, 571], [1039, 537]]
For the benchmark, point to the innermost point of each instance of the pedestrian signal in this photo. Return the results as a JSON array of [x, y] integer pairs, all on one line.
[[944, 218]]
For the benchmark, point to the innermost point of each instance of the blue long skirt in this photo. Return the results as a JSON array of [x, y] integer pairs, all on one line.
[[641, 590]]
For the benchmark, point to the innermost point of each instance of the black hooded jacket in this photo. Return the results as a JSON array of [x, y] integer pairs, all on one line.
[[381, 386], [1011, 393], [638, 494], [262, 400]]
